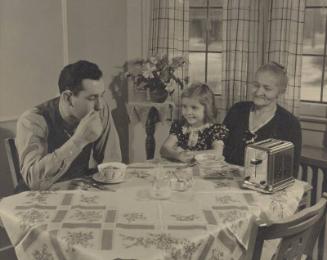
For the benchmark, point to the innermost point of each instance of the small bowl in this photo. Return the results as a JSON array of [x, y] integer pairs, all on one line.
[[112, 171], [208, 167]]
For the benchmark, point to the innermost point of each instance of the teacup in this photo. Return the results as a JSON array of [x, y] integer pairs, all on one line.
[[112, 171]]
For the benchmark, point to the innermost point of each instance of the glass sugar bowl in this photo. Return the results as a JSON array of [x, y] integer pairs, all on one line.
[[182, 179], [161, 186]]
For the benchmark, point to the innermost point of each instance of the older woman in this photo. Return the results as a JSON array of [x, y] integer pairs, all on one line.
[[262, 118]]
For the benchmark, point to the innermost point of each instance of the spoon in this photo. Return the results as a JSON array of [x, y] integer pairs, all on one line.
[[85, 185], [100, 187]]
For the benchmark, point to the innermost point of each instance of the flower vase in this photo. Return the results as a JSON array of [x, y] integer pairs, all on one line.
[[158, 95]]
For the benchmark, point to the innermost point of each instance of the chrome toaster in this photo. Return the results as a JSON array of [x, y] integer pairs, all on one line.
[[269, 165]]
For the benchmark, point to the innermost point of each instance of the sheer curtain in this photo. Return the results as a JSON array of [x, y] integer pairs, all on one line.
[[256, 32], [241, 45], [169, 27], [169, 32], [284, 45]]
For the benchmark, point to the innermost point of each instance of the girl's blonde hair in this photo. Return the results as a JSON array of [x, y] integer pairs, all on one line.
[[205, 96]]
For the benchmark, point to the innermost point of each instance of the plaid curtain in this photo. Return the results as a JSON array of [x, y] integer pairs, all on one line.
[[169, 27], [256, 32], [241, 45], [169, 32], [284, 45]]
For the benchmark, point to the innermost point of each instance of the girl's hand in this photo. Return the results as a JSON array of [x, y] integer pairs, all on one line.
[[218, 146], [186, 156]]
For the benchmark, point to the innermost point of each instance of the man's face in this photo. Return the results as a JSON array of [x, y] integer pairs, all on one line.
[[265, 89], [89, 98]]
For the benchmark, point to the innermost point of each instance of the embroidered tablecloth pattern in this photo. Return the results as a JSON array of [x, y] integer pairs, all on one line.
[[210, 221]]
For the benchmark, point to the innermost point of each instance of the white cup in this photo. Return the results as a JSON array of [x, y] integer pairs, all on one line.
[[112, 171]]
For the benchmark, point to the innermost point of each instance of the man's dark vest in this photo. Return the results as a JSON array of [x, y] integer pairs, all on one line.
[[58, 134]]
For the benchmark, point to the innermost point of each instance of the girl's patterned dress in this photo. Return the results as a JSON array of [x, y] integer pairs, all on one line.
[[200, 138]]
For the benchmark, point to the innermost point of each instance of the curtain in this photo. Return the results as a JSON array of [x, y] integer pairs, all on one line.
[[169, 27], [284, 45], [241, 43], [256, 32], [169, 30]]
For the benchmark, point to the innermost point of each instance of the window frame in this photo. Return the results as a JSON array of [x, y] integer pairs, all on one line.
[[324, 63], [206, 52]]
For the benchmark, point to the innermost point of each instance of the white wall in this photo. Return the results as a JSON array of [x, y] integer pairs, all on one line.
[[138, 24], [97, 31], [30, 53], [33, 38]]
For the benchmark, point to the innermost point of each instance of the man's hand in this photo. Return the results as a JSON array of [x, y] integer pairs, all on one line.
[[89, 129]]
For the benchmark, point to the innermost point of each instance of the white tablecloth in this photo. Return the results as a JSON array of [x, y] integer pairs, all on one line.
[[210, 221]]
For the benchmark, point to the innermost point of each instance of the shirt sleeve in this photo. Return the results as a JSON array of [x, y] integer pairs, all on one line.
[[175, 128], [107, 147], [39, 168], [220, 132]]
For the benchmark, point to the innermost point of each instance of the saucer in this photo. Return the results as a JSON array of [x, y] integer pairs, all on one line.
[[97, 177]]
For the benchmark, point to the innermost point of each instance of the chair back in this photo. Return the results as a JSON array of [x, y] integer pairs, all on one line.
[[13, 161], [298, 233]]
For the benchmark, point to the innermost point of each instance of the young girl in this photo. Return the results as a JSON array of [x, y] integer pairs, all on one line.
[[197, 130]]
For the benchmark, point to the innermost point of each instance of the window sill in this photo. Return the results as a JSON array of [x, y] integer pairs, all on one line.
[[313, 111], [313, 119]]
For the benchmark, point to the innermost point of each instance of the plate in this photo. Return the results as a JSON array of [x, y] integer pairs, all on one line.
[[97, 177], [221, 171], [155, 164], [141, 165]]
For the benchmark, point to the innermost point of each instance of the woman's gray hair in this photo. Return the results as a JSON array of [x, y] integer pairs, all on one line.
[[277, 70]]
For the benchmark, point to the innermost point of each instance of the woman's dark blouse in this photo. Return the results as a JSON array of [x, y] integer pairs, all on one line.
[[207, 136], [283, 125]]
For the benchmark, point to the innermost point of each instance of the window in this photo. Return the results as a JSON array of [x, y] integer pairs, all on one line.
[[205, 45], [314, 62]]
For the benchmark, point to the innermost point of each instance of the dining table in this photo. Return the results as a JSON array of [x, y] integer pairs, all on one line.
[[82, 219]]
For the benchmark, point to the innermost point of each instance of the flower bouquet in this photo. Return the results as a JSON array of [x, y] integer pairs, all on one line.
[[156, 74]]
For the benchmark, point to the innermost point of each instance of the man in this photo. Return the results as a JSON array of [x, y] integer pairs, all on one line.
[[64, 137]]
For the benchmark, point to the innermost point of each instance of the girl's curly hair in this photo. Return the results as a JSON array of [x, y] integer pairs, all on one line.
[[205, 96]]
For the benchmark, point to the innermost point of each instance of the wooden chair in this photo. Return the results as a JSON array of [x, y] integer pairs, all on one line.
[[298, 233], [13, 161], [314, 171], [6, 248]]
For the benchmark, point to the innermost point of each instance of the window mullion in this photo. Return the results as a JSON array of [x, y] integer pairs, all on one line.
[[323, 65], [207, 38]]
